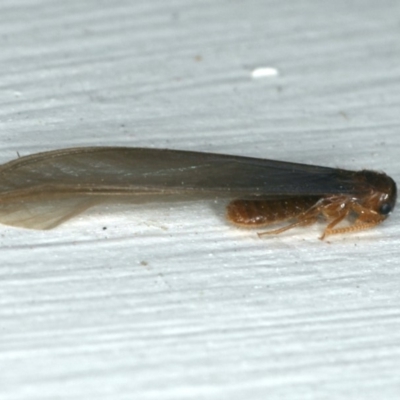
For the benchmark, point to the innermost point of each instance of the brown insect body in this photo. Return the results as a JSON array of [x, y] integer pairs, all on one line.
[[45, 189], [371, 207]]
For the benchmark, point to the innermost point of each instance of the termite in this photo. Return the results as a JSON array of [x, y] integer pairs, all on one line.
[[43, 190]]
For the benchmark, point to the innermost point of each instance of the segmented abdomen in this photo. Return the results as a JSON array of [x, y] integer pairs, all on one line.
[[265, 212]]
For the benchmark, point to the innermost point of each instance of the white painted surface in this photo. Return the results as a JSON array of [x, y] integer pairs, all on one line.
[[172, 302]]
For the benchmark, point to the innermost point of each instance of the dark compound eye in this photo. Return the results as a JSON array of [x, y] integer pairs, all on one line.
[[385, 209]]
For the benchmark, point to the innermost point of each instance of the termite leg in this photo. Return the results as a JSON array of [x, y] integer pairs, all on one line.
[[329, 229], [353, 228], [307, 218], [366, 219]]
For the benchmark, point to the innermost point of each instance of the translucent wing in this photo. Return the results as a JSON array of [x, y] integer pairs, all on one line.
[[42, 212], [42, 190], [116, 169]]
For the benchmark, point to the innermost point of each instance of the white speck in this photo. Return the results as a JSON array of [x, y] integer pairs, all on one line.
[[264, 72]]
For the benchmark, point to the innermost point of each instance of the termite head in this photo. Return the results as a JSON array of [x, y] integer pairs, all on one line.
[[380, 192]]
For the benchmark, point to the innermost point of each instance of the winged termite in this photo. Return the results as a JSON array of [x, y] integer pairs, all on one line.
[[42, 190]]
